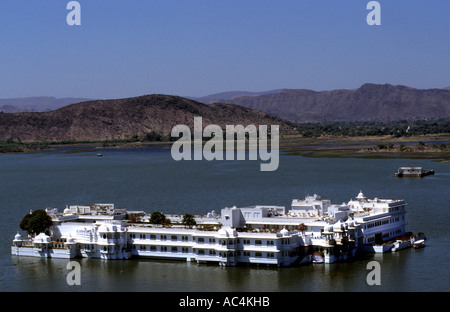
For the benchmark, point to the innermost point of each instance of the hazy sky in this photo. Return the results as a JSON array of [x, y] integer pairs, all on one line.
[[129, 48]]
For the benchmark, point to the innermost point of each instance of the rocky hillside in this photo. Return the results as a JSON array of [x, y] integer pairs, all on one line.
[[369, 102], [125, 118]]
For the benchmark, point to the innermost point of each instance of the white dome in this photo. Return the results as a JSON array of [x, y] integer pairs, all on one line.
[[18, 237], [42, 238], [360, 195], [67, 211]]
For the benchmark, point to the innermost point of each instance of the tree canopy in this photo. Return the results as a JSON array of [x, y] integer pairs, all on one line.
[[158, 218], [188, 219], [36, 222]]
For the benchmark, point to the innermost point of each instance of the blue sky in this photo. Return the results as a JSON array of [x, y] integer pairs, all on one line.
[[198, 47]]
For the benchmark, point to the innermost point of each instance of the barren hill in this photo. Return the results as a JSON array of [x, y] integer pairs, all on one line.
[[369, 102], [124, 118]]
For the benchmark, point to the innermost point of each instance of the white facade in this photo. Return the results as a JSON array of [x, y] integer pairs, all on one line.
[[253, 235]]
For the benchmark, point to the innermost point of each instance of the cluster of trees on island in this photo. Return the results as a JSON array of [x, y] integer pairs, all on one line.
[[399, 128], [39, 221], [159, 218]]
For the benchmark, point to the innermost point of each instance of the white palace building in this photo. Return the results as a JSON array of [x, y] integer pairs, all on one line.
[[267, 235]]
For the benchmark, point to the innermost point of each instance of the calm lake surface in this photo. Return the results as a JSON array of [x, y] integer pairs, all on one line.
[[150, 180]]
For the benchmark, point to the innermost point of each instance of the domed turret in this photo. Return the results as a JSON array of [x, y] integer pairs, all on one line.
[[18, 237], [42, 238], [66, 211], [360, 196], [18, 240]]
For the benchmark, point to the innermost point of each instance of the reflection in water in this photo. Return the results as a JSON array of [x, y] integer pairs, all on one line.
[[167, 276], [151, 180]]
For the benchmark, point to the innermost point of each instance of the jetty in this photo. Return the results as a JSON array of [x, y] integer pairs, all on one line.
[[413, 172]]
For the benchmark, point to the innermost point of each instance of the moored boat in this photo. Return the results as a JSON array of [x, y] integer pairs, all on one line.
[[317, 258], [418, 244], [400, 244]]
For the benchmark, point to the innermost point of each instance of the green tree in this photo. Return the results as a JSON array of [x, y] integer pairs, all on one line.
[[36, 222], [158, 218], [189, 220]]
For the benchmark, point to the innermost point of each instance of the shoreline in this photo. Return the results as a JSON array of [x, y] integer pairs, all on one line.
[[436, 147]]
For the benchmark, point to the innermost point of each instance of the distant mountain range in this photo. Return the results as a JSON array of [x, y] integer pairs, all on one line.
[[125, 118], [369, 102], [36, 104], [225, 97], [137, 116]]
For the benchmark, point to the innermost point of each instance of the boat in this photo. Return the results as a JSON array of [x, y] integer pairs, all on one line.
[[400, 244], [317, 258], [418, 244], [413, 172]]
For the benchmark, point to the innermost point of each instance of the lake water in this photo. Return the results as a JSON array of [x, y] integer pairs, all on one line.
[[150, 180]]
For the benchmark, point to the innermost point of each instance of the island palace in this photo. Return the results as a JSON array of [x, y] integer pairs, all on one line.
[[312, 230]]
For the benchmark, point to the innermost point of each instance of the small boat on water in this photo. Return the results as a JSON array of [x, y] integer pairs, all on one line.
[[400, 244], [317, 258], [413, 172], [419, 244]]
